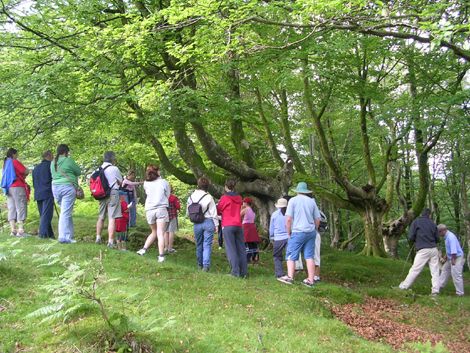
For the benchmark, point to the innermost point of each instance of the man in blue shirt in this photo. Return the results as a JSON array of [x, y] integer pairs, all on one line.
[[42, 180], [454, 260], [278, 234], [302, 221]]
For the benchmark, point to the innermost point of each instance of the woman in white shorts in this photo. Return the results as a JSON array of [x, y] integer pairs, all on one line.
[[157, 190]]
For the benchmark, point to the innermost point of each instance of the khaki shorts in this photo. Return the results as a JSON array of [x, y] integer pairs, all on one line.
[[17, 204], [157, 215], [110, 206], [172, 225]]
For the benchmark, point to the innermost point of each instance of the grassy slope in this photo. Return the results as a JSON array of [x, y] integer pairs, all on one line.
[[212, 312]]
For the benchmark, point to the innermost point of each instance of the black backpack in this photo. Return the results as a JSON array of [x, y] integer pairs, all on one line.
[[323, 227], [196, 215]]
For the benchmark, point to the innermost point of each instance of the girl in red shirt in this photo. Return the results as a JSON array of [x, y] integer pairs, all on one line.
[[250, 232], [121, 224]]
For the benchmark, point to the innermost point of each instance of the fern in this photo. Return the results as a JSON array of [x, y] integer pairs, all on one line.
[[46, 311], [8, 249], [76, 289]]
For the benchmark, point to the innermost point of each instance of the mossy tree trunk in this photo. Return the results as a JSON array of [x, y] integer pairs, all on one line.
[[373, 232], [393, 229]]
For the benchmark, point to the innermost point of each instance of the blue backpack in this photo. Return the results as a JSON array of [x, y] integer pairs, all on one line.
[[8, 175]]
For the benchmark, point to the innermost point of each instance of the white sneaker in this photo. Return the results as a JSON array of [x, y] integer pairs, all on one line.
[[98, 240], [73, 241], [141, 252], [161, 258]]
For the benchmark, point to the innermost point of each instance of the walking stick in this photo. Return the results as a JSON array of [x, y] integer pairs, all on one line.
[[128, 218], [128, 224], [56, 211]]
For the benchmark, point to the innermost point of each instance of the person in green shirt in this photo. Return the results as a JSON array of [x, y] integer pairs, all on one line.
[[65, 173]]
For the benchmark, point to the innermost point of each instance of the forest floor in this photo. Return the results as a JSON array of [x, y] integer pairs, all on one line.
[[173, 307]]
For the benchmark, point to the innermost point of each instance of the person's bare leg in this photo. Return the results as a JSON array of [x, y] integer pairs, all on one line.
[[152, 236], [171, 239], [20, 226], [310, 269], [317, 271], [291, 268], [13, 226], [111, 230], [161, 226], [166, 241], [99, 227]]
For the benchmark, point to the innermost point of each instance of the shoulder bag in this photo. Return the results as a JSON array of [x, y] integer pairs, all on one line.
[[79, 193]]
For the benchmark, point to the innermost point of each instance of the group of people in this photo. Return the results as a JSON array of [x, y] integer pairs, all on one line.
[[56, 178], [425, 234], [293, 226]]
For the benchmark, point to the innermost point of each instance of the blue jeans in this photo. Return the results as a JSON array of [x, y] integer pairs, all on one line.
[[133, 215], [204, 234], [301, 241], [65, 196]]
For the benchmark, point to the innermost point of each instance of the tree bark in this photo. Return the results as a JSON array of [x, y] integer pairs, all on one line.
[[455, 190], [185, 177], [395, 228], [391, 246], [267, 129], [465, 210], [285, 128], [237, 133], [362, 199], [334, 226], [221, 158], [372, 230]]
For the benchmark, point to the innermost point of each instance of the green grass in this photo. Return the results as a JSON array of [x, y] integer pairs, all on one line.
[[208, 312]]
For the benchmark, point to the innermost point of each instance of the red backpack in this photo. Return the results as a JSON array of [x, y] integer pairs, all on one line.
[[99, 185]]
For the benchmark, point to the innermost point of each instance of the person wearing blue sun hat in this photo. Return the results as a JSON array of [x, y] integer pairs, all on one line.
[[302, 222]]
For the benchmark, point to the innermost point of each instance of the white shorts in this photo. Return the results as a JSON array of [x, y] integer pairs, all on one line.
[[157, 215], [316, 256]]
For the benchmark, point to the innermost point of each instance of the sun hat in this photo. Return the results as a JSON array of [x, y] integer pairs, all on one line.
[[282, 202], [302, 188]]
